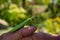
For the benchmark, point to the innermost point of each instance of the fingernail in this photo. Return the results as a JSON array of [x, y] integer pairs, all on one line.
[[32, 28]]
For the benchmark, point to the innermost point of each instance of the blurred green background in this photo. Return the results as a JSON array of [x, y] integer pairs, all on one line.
[[14, 12]]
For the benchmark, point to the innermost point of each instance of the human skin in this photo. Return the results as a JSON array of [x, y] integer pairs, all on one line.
[[28, 34]]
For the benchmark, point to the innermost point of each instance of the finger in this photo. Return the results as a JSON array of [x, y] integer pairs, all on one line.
[[41, 36], [25, 32], [27, 38]]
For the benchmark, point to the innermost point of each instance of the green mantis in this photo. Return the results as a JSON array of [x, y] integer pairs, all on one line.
[[21, 25]]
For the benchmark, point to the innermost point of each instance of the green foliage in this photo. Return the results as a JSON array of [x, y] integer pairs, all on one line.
[[53, 25], [38, 1], [14, 13]]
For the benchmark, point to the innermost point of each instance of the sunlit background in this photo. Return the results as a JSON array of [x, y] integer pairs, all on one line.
[[14, 12]]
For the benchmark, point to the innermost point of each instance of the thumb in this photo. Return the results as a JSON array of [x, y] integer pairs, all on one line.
[[25, 32]]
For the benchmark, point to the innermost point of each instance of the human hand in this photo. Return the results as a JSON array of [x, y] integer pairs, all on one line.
[[27, 34]]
